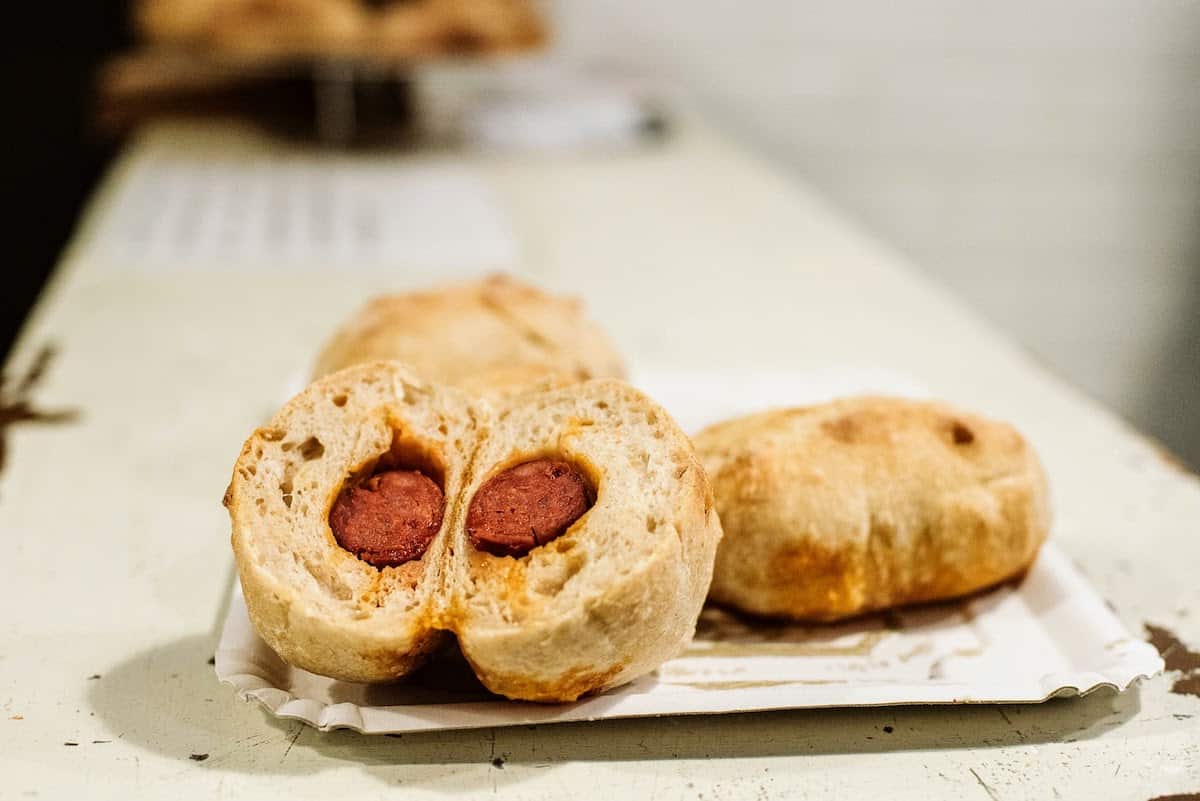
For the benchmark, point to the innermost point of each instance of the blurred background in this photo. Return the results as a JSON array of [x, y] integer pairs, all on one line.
[[1041, 160]]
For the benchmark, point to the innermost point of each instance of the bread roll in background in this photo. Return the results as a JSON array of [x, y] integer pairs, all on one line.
[[254, 27], [433, 27], [364, 30], [597, 604], [862, 504], [493, 336]]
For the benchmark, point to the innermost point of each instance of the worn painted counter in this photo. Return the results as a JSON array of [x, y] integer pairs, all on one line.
[[117, 448]]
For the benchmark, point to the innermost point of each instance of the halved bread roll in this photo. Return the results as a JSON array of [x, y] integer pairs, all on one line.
[[600, 600], [490, 335], [867, 503]]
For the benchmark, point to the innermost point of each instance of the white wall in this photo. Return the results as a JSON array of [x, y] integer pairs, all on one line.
[[1041, 158]]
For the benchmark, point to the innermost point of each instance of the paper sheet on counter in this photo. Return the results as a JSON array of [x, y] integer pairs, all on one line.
[[264, 206]]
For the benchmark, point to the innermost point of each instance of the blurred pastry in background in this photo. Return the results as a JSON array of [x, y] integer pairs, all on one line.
[[254, 27], [437, 27], [361, 29]]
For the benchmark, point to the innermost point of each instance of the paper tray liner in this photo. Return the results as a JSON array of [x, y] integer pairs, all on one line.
[[1045, 635]]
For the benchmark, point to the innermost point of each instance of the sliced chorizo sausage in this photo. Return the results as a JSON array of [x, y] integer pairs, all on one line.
[[526, 506], [390, 518]]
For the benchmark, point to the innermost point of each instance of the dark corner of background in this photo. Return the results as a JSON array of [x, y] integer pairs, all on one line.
[[52, 154]]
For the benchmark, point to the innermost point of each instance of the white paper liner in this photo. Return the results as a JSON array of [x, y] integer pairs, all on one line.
[[1050, 635]]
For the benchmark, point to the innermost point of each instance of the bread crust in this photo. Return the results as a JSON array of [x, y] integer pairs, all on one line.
[[867, 503], [604, 603], [494, 336]]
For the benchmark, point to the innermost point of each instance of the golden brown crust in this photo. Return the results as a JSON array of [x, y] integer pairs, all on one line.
[[493, 337], [862, 504], [568, 686]]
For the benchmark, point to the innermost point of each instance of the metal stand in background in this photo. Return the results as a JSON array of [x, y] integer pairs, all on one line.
[[339, 102], [359, 104], [333, 95]]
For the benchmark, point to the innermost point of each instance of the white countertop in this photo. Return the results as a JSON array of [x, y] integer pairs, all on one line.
[[695, 256]]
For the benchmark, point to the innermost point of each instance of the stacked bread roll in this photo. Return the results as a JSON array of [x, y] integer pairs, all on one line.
[[467, 465], [492, 337]]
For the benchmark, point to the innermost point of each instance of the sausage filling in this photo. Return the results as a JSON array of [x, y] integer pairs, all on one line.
[[527, 506], [390, 518]]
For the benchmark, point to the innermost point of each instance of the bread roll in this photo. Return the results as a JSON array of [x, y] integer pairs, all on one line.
[[863, 504], [288, 27], [603, 598], [492, 335], [255, 27], [457, 26], [398, 30], [175, 21]]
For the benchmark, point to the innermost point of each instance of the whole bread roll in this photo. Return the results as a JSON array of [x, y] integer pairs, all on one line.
[[491, 335], [862, 504], [598, 603]]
